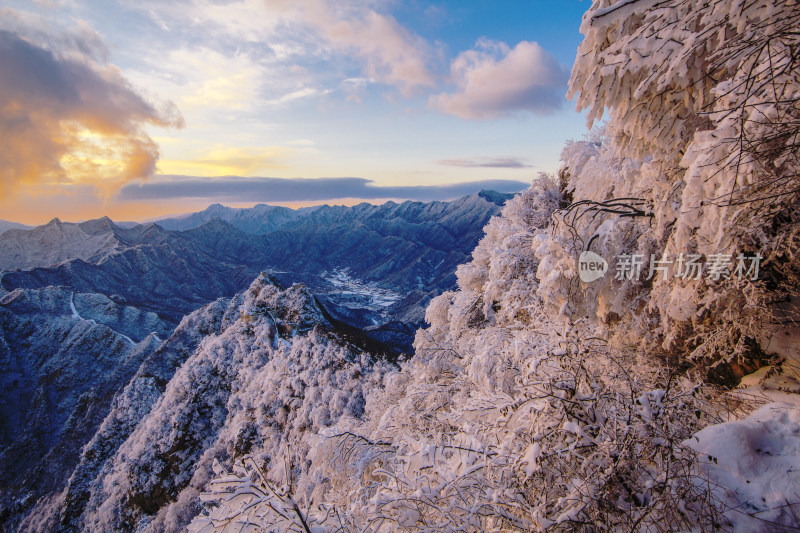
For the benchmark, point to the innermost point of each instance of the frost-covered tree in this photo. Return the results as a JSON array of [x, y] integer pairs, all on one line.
[[704, 98], [506, 419], [537, 401]]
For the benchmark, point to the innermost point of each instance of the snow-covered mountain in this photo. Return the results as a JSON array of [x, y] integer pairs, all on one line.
[[507, 417], [85, 309], [374, 267], [168, 273], [538, 399], [255, 372], [55, 242]]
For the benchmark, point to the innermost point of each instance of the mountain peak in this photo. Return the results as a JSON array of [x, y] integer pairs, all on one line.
[[295, 306], [216, 209], [101, 224], [498, 198]]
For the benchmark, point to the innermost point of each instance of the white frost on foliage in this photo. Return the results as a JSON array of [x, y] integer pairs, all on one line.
[[536, 401], [505, 419], [703, 107]]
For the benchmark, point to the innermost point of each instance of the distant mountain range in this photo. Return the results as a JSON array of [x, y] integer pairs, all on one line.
[[256, 220], [372, 266], [95, 318], [5, 225]]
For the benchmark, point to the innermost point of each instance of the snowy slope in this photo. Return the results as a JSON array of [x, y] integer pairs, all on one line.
[[267, 370], [58, 373], [754, 466], [536, 400], [510, 418]]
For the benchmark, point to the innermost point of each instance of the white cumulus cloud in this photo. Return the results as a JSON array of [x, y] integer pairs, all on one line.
[[494, 80]]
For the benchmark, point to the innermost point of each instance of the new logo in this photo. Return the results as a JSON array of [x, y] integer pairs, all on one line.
[[591, 266]]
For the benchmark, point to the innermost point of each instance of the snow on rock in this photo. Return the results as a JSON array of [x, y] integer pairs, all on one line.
[[754, 466]]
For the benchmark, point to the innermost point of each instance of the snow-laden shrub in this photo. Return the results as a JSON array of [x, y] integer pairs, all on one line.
[[502, 267], [699, 157], [525, 430]]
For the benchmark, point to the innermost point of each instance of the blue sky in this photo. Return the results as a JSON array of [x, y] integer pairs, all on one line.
[[139, 108]]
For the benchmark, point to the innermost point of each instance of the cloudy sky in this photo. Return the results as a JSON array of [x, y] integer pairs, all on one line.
[[141, 108]]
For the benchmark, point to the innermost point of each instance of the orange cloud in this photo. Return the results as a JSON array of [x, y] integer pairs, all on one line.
[[228, 160], [66, 115]]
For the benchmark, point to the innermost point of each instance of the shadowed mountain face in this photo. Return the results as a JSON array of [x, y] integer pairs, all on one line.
[[58, 374], [61, 373]]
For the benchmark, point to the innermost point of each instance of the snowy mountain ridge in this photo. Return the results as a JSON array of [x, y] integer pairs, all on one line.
[[411, 249], [267, 368], [133, 288]]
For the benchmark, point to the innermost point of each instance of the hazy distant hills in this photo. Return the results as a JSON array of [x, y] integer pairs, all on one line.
[[256, 220], [262, 219], [6, 225]]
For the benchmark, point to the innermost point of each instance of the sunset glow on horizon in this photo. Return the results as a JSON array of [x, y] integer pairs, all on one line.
[[146, 109]]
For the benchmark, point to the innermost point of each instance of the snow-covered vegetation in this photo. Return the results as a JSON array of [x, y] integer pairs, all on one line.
[[654, 397], [537, 401]]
